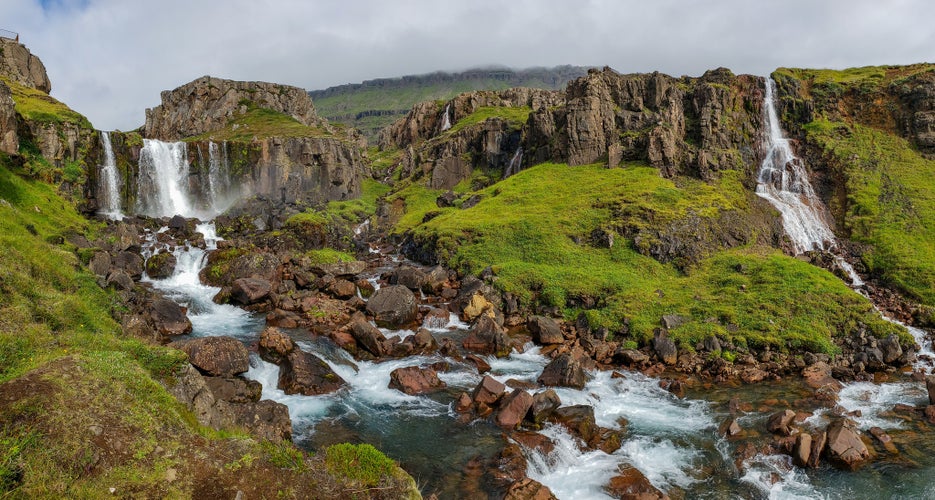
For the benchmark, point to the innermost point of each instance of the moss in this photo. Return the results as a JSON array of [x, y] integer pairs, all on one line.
[[37, 106], [360, 209], [516, 117], [328, 256], [362, 463], [261, 123]]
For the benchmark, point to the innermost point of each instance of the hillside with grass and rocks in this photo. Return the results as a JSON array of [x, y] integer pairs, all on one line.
[[629, 285]]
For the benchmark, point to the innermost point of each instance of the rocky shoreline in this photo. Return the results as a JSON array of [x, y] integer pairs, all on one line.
[[340, 300]]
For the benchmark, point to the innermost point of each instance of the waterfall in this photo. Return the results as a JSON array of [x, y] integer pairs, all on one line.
[[218, 181], [163, 180], [446, 121], [109, 182], [516, 163], [783, 182]]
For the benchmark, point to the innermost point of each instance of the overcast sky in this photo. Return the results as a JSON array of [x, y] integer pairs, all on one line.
[[109, 59]]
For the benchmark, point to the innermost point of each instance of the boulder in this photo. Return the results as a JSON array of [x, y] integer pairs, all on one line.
[[630, 483], [475, 306], [217, 356], [368, 336], [393, 306], [248, 291], [478, 362], [408, 276], [283, 319], [487, 337], [120, 280], [630, 357], [819, 441], [415, 380], [930, 386], [781, 423], [818, 375], [802, 449], [543, 404], [528, 489], [342, 289], [161, 265], [435, 278], [265, 419], [845, 448], [424, 342], [436, 319], [564, 371], [304, 373], [100, 264], [274, 345], [665, 347], [890, 349], [131, 262], [340, 269], [488, 391], [365, 287], [513, 409], [235, 389], [578, 419], [544, 330], [169, 318]]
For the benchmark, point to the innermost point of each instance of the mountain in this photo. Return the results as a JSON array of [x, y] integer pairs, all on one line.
[[374, 104]]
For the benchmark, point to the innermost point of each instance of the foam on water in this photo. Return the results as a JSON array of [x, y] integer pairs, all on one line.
[[775, 477], [109, 182], [569, 472]]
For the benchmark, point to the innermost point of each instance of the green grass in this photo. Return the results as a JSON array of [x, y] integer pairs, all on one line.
[[261, 123], [328, 256], [525, 228], [361, 463], [516, 117], [360, 209], [890, 192], [37, 106]]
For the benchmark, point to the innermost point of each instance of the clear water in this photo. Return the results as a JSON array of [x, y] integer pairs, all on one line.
[[109, 182]]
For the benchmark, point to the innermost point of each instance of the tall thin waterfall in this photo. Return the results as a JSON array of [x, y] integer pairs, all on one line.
[[163, 180], [783, 181], [109, 182], [516, 163], [446, 120], [218, 181]]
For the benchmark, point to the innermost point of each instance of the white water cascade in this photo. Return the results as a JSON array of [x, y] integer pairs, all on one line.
[[446, 120], [163, 180], [218, 181], [109, 182], [516, 163], [783, 182]]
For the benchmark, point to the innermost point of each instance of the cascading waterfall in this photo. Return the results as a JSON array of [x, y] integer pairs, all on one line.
[[783, 182], [218, 181], [516, 163], [446, 120], [109, 182], [163, 183]]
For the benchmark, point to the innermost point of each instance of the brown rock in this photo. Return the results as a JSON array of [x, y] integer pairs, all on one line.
[[930, 386], [169, 318], [304, 373], [436, 318], [730, 428], [802, 449], [274, 345], [487, 337], [884, 439], [463, 403], [818, 375], [342, 289], [578, 419], [819, 441], [845, 448], [528, 489], [544, 330], [665, 347], [478, 362], [283, 319], [564, 371], [265, 419], [161, 265], [248, 291], [781, 423], [217, 356], [488, 391], [631, 484], [415, 380], [368, 336], [393, 306], [513, 409], [100, 264], [543, 404], [235, 389]]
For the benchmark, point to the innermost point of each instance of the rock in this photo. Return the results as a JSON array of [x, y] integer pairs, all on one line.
[[712, 344], [275, 346], [408, 276], [100, 264], [845, 448], [630, 357], [929, 413], [528, 489], [631, 484], [342, 289], [578, 419], [930, 386], [415, 380], [446, 199], [248, 291], [169, 318], [131, 262], [781, 423], [475, 306], [890, 348], [339, 269], [304, 373], [543, 404], [265, 419], [819, 441], [393, 306], [435, 279], [513, 409], [802, 449], [564, 371], [664, 347], [544, 330], [160, 266], [369, 337], [283, 319], [670, 321], [818, 375], [217, 356], [234, 389], [478, 362], [487, 337], [365, 287], [488, 391], [730, 428], [120, 280], [424, 342], [436, 319], [9, 139], [22, 67], [884, 439], [463, 403]]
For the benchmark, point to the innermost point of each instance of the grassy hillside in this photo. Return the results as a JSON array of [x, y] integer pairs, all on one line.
[[526, 228], [374, 104]]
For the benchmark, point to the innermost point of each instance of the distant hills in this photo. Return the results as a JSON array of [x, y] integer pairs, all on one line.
[[374, 104]]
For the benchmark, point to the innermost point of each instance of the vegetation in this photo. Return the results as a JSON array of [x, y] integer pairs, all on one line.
[[260, 123], [516, 117], [526, 228], [328, 256], [358, 210], [37, 106], [890, 202]]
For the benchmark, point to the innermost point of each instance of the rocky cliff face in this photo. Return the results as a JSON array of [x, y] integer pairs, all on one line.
[[9, 139], [21, 66], [209, 103]]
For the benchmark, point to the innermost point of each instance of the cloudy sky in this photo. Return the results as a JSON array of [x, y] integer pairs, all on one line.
[[109, 59]]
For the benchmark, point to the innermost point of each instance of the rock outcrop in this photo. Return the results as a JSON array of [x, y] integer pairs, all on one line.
[[9, 139], [21, 66], [209, 103]]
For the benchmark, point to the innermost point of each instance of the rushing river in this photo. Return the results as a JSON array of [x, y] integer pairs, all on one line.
[[673, 441]]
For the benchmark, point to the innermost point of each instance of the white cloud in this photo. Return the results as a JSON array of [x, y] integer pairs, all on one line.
[[109, 59]]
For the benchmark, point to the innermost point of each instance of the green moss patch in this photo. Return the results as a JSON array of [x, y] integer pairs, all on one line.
[[37, 106], [261, 123], [516, 117]]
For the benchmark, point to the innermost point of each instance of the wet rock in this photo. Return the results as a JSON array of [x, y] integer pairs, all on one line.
[[781, 423], [513, 409], [365, 287], [487, 337], [436, 318], [304, 373], [528, 489], [414, 380], [819, 441], [818, 375], [578, 419], [544, 330], [100, 264], [393, 306], [478, 362], [169, 318], [665, 347], [488, 391], [543, 404], [845, 448], [930, 386], [368, 336], [423, 341], [234, 389], [884, 439], [120, 280], [265, 419], [274, 345], [630, 357], [283, 319], [342, 289], [217, 356], [246, 291], [802, 449], [408, 276], [890, 349], [631, 484], [161, 265], [463, 403], [340, 269], [564, 371], [730, 428], [131, 262]]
